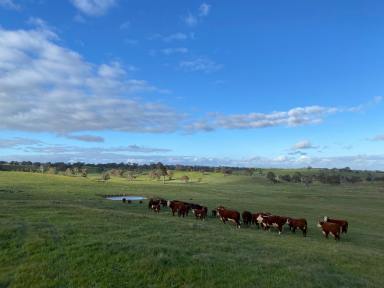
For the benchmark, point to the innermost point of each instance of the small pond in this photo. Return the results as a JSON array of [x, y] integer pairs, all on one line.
[[120, 198]]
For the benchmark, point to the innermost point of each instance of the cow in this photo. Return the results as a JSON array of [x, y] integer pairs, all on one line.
[[330, 228], [153, 201], [214, 213], [257, 220], [156, 208], [176, 205], [182, 210], [247, 217], [342, 223], [298, 224], [273, 221], [200, 213], [228, 215]]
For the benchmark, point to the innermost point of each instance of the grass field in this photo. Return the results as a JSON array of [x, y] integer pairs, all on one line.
[[57, 231]]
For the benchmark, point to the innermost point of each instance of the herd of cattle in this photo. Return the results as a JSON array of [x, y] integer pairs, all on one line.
[[265, 220]]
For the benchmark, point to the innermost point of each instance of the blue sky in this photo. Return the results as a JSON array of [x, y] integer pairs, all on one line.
[[256, 83]]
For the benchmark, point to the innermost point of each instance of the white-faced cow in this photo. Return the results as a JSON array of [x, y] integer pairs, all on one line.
[[343, 223], [228, 215], [330, 228], [273, 221], [256, 219]]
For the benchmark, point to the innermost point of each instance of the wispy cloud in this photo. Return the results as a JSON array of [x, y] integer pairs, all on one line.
[[378, 138], [9, 4], [204, 9], [190, 20], [85, 138], [94, 7], [193, 19], [303, 144], [175, 37], [200, 64], [17, 142], [125, 25], [178, 50]]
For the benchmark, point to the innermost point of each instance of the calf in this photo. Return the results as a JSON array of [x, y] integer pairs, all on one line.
[[330, 228], [247, 217], [228, 215], [156, 207], [342, 223], [273, 221], [298, 224], [153, 201], [257, 218]]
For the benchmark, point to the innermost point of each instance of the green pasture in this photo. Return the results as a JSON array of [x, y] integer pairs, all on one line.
[[58, 231]]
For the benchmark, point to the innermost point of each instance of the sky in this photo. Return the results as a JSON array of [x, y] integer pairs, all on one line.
[[280, 83]]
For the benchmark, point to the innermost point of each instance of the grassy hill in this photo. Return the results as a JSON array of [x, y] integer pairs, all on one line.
[[57, 231]]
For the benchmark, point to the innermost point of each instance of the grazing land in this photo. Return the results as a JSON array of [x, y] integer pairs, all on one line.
[[58, 231]]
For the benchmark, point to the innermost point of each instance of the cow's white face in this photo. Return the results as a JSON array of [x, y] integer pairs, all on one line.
[[325, 219], [259, 218], [318, 224], [168, 203]]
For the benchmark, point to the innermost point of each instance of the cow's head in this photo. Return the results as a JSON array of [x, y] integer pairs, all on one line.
[[320, 223], [288, 220], [325, 218], [169, 203]]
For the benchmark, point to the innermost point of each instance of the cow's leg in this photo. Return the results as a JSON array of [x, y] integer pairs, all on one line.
[[293, 229]]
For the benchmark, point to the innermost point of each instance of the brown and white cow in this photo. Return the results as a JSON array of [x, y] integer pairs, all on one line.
[[273, 221], [156, 207], [247, 217], [228, 215], [343, 223], [298, 224], [330, 228], [200, 213], [257, 218]]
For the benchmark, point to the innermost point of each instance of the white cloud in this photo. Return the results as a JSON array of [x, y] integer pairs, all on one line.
[[170, 51], [190, 20], [204, 9], [304, 144], [200, 64], [176, 36], [9, 4], [47, 87], [125, 25], [85, 138], [94, 7], [17, 142], [378, 138]]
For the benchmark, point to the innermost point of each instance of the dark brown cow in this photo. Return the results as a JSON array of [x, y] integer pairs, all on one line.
[[200, 213], [257, 220], [247, 217], [273, 221], [343, 223], [156, 207], [176, 205], [298, 224], [182, 210], [228, 215], [330, 228]]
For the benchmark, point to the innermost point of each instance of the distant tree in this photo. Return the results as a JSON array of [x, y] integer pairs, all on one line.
[[154, 175], [286, 177], [52, 170], [249, 171], [184, 178], [84, 172], [296, 177], [131, 175], [306, 180], [170, 174], [162, 170], [75, 171], [271, 177], [105, 176], [69, 172]]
